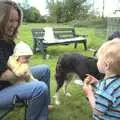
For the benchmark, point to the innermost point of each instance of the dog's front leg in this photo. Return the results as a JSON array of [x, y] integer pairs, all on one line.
[[57, 97], [65, 89]]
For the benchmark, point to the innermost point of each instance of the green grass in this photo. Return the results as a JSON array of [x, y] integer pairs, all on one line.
[[75, 107]]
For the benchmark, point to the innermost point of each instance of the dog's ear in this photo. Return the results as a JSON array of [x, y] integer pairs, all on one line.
[[58, 67], [91, 64]]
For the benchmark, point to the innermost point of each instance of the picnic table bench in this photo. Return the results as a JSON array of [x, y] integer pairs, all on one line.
[[43, 37]]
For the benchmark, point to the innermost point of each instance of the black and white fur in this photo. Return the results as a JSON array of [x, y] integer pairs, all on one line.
[[74, 63]]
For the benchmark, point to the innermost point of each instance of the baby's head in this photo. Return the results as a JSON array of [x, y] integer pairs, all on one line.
[[109, 57], [23, 59], [22, 52]]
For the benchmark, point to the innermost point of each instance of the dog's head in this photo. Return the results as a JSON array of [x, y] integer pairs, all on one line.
[[92, 66], [59, 74]]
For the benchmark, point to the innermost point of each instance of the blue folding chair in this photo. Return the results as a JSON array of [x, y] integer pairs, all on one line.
[[17, 102]]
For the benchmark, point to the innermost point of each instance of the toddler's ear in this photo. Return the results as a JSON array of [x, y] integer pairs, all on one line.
[[108, 64]]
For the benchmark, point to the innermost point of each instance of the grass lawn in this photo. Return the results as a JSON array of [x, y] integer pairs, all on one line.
[[75, 107]]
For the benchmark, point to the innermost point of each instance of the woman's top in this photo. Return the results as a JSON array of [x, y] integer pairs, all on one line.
[[6, 49]]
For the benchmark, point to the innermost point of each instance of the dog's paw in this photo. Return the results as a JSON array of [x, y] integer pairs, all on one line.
[[68, 94], [57, 102], [54, 96]]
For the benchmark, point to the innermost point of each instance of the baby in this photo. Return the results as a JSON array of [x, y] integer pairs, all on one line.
[[19, 60]]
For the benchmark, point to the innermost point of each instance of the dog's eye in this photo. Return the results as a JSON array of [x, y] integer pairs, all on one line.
[[58, 67]]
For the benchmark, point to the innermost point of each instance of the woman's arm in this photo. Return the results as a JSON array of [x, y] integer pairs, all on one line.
[[8, 75]]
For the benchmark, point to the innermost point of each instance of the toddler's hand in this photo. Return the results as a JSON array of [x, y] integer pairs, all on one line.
[[87, 88], [90, 79]]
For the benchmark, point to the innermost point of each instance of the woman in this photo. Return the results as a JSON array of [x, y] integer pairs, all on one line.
[[36, 92]]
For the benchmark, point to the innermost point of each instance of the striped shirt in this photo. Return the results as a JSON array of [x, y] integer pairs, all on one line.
[[107, 96]]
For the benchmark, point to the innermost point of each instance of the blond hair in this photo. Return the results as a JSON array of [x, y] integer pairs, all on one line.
[[5, 7], [110, 52]]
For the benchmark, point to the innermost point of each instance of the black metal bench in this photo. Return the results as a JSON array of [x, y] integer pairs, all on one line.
[[63, 36], [17, 102]]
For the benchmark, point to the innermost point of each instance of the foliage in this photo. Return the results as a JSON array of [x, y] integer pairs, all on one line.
[[75, 12], [90, 21], [67, 10], [31, 14], [75, 9], [56, 11]]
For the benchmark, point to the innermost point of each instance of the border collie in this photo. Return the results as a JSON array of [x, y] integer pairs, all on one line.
[[74, 63]]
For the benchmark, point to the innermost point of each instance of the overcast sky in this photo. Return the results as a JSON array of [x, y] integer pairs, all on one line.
[[110, 5], [39, 4]]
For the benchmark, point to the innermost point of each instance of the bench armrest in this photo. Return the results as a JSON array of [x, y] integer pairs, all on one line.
[[38, 38], [83, 35]]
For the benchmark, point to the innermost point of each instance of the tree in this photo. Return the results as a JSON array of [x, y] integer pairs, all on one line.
[[75, 9], [67, 10], [32, 15], [56, 10]]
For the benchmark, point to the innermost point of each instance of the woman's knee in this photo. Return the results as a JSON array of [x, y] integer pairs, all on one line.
[[42, 85], [40, 88], [45, 73], [46, 68], [40, 70]]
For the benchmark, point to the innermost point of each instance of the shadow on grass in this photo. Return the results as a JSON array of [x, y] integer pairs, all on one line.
[[55, 51]]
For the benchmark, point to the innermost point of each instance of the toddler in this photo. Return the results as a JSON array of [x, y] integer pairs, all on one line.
[[105, 98]]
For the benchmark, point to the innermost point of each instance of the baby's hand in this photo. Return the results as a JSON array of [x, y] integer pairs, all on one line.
[[24, 77]]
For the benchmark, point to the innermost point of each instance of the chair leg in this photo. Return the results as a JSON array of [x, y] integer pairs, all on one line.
[[85, 45], [34, 46], [25, 104], [4, 114], [16, 103], [42, 48], [25, 114]]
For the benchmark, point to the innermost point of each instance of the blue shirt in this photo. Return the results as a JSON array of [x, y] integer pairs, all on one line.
[[107, 97]]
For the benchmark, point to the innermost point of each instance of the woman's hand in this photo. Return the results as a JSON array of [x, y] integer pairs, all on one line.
[[24, 77], [8, 75]]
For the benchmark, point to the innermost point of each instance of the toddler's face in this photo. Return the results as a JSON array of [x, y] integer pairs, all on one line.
[[101, 65], [24, 59]]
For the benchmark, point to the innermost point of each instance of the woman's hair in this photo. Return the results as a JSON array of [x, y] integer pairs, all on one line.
[[5, 7], [110, 52]]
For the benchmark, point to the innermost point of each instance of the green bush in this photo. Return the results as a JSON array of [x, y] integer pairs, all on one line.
[[89, 22]]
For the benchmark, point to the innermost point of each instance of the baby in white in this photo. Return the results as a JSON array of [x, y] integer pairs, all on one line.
[[19, 61]]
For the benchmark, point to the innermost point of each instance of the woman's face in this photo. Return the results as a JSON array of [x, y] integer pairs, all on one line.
[[12, 23]]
